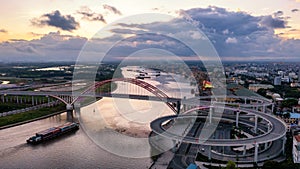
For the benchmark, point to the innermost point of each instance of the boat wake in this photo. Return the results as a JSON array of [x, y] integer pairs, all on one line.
[[12, 150]]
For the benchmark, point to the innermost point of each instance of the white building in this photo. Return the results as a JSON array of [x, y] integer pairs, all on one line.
[[296, 148], [286, 79], [280, 73], [276, 97], [277, 80], [295, 84]]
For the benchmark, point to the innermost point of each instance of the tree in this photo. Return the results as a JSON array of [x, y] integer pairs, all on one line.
[[262, 92], [230, 165], [271, 165], [289, 103], [287, 115]]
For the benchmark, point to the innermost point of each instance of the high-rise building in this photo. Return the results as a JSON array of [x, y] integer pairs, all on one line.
[[299, 76], [277, 81]]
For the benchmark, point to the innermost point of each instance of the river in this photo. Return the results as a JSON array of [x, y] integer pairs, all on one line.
[[78, 150], [74, 150]]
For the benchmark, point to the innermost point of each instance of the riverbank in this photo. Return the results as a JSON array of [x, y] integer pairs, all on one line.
[[30, 116]]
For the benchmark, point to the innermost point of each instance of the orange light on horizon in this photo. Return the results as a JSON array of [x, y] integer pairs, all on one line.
[[288, 34]]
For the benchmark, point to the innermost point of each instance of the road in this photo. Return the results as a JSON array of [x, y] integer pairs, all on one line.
[[278, 131]]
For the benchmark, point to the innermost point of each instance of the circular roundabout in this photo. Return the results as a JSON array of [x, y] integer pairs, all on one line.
[[276, 130], [263, 135]]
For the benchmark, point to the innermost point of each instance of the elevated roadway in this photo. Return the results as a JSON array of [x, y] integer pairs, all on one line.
[[277, 131]]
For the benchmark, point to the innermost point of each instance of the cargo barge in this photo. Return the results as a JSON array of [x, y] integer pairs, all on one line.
[[53, 132]]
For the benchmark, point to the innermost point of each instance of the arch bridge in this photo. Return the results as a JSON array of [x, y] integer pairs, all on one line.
[[70, 98]]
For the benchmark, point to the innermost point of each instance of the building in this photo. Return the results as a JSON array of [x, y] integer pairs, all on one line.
[[286, 79], [296, 108], [256, 87], [277, 81], [299, 76], [280, 73], [292, 75], [277, 97], [296, 148], [295, 84]]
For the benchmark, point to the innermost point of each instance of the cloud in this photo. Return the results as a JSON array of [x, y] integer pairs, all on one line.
[[51, 47], [278, 13], [239, 33], [35, 34], [295, 10], [112, 9], [273, 22], [89, 15], [219, 19], [234, 34], [17, 40], [3, 31], [149, 41], [26, 49], [231, 40], [56, 19]]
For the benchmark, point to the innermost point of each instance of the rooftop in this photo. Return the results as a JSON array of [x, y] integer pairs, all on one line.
[[297, 137], [295, 115], [261, 85], [238, 90]]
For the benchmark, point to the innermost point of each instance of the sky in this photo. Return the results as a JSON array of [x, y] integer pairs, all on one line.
[[56, 30]]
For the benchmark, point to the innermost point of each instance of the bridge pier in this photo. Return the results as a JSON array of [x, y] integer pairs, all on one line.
[[255, 123], [69, 108], [174, 149], [283, 144], [77, 108], [266, 146], [237, 119], [178, 105], [255, 152], [269, 127], [245, 150], [211, 111], [209, 152]]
